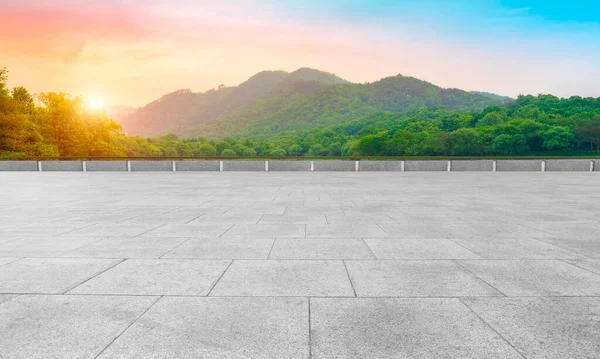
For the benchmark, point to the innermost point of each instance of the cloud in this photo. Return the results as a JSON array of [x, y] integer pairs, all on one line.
[[60, 33]]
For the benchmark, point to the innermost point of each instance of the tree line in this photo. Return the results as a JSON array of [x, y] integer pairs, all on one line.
[[56, 124]]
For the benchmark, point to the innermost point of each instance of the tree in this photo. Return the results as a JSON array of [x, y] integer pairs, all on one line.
[[275, 151], [465, 142], [228, 152], [589, 131], [23, 99], [334, 149], [491, 119], [204, 149], [509, 145], [373, 145], [402, 143], [3, 79], [242, 150], [317, 150], [558, 138]]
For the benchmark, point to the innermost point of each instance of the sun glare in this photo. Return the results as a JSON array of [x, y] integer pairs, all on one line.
[[95, 103]]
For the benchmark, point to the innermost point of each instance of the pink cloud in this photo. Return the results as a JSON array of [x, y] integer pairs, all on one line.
[[61, 32]]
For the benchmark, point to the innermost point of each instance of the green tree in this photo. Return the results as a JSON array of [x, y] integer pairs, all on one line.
[[228, 152], [491, 119], [510, 145], [204, 149], [558, 138], [589, 132], [465, 142], [373, 145]]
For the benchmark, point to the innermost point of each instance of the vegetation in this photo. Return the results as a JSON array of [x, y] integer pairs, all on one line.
[[59, 125], [272, 103], [53, 124]]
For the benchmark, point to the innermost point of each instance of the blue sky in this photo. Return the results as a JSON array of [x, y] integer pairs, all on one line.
[[134, 51]]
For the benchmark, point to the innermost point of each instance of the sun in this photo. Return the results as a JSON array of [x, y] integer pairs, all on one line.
[[95, 103]]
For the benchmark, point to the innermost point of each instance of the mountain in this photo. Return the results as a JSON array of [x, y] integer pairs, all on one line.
[[278, 102], [118, 113], [493, 96], [179, 110]]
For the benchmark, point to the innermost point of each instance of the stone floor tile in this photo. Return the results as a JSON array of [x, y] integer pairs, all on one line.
[[415, 278], [284, 278], [49, 326], [217, 328], [401, 328], [156, 277]]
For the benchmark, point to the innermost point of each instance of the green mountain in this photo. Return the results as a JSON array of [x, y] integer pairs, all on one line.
[[176, 112], [494, 96], [277, 102]]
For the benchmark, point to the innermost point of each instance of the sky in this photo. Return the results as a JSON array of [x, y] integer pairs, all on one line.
[[131, 52]]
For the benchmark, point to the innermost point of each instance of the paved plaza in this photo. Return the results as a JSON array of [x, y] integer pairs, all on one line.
[[300, 265]]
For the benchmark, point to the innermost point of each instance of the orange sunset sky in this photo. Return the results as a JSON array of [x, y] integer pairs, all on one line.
[[132, 52]]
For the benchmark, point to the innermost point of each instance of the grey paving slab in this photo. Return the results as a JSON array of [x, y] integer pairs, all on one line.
[[478, 165], [18, 166], [7, 297], [228, 218], [49, 275], [316, 218], [568, 165], [251, 210], [498, 229], [593, 265], [519, 165], [284, 278], [415, 278], [426, 165], [289, 166], [514, 248], [197, 166], [352, 218], [252, 166], [417, 229], [266, 230], [156, 277], [380, 166], [419, 248], [161, 219], [345, 230], [334, 165], [112, 230], [435, 222], [218, 328], [223, 248], [106, 166], [6, 260], [43, 230], [201, 230], [50, 166], [115, 247], [349, 248], [65, 326], [544, 327], [44, 246], [401, 328], [575, 230], [152, 166], [536, 277]]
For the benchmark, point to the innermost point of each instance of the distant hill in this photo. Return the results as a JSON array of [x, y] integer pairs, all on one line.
[[119, 112], [276, 102], [493, 96]]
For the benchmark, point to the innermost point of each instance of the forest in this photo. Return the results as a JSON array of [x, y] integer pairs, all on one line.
[[57, 124]]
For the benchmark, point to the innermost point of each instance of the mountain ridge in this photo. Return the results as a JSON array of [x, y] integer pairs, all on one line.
[[278, 101]]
